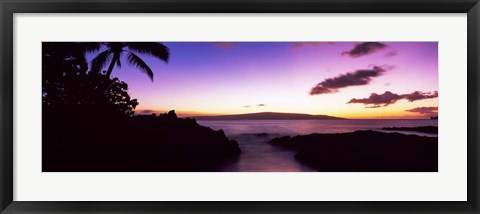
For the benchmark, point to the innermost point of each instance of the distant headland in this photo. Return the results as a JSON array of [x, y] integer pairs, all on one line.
[[269, 116]]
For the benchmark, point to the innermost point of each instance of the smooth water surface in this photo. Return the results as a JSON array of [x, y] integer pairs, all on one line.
[[259, 156]]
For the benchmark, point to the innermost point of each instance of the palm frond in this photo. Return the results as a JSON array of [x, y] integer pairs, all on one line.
[[140, 64], [119, 64], [155, 49], [91, 47], [118, 57], [100, 60]]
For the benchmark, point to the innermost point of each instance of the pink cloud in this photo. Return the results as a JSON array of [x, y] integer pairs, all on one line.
[[425, 110], [364, 48], [224, 45], [387, 98], [298, 45], [356, 78]]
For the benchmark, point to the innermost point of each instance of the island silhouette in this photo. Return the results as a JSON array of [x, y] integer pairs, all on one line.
[[269, 116]]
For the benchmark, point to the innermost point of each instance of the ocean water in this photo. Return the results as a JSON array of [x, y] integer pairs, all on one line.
[[259, 156]]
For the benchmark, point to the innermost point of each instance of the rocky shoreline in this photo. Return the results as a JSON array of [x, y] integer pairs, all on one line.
[[364, 151], [420, 129], [144, 143]]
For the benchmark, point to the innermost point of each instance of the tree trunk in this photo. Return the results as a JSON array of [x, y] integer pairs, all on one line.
[[112, 64]]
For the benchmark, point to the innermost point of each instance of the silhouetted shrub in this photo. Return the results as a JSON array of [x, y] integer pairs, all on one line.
[[68, 86]]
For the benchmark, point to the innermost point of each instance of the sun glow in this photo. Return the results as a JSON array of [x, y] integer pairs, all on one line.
[[202, 78]]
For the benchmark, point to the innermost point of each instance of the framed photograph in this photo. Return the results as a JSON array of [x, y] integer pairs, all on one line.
[[239, 107]]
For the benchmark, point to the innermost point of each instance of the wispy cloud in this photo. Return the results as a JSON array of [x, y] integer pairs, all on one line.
[[356, 78], [224, 45], [388, 98], [430, 111], [378, 100], [391, 54], [146, 111], [417, 95], [258, 105], [364, 48], [297, 45]]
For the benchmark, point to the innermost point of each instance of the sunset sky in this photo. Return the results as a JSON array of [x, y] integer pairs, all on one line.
[[329, 78]]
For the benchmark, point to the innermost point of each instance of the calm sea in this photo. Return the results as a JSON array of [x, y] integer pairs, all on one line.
[[259, 156]]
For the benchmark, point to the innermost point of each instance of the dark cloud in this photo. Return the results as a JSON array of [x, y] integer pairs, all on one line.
[[246, 106], [224, 45], [297, 45], [417, 95], [391, 54], [387, 98], [146, 111], [359, 77], [378, 100], [319, 89], [430, 111], [261, 105], [364, 48]]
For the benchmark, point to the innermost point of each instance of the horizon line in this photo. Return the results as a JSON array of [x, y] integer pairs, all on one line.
[[193, 114]]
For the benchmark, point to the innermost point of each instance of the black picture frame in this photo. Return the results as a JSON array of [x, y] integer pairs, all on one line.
[[9, 7]]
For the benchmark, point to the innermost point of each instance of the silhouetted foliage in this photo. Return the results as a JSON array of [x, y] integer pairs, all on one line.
[[68, 85], [88, 121], [61, 61], [115, 51]]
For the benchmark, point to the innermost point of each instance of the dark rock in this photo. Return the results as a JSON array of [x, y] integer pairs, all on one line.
[[263, 134], [283, 142], [421, 129], [171, 114], [138, 143], [367, 151]]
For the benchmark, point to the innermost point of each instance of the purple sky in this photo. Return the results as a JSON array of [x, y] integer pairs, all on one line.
[[245, 77]]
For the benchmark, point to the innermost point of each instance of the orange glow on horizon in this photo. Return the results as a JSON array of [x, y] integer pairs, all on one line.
[[375, 114]]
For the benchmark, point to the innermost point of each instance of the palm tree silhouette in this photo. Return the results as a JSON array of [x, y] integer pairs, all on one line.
[[115, 51]]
